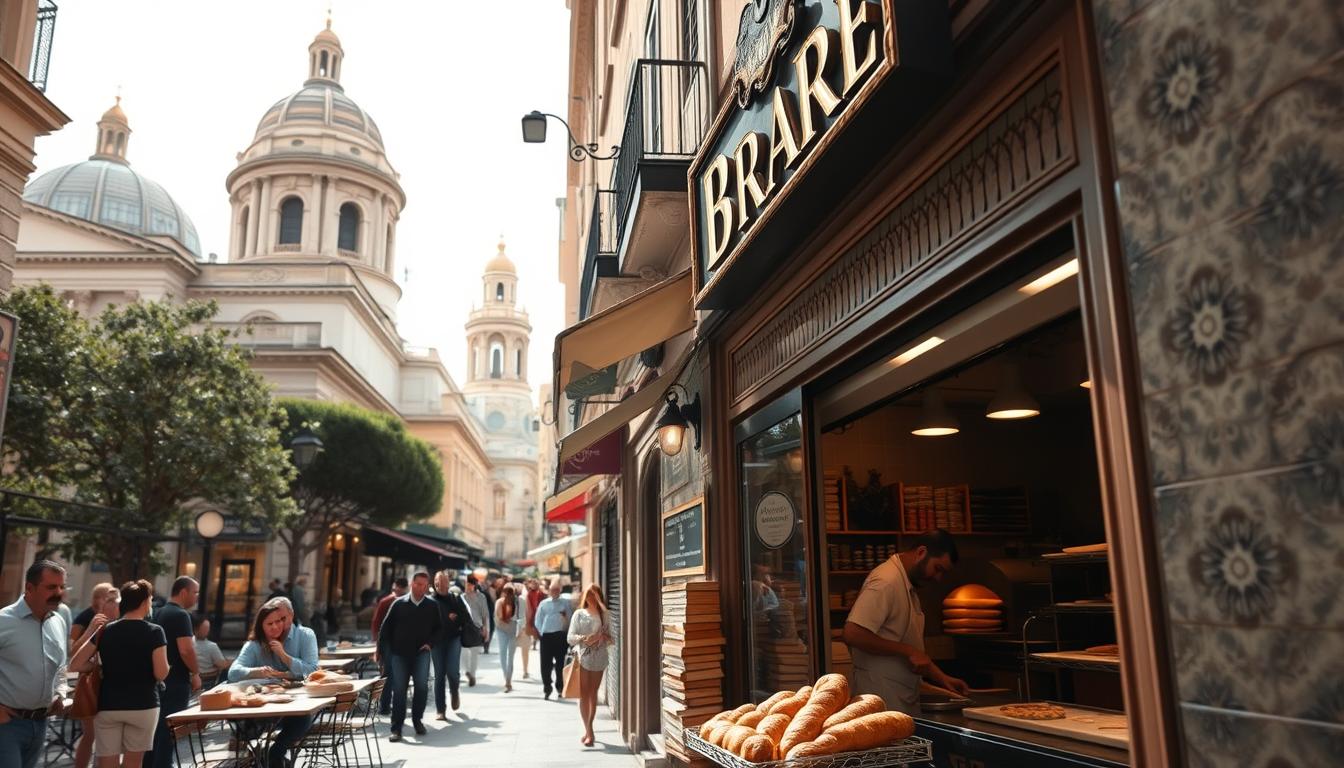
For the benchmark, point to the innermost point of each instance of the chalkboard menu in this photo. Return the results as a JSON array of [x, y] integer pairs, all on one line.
[[684, 539]]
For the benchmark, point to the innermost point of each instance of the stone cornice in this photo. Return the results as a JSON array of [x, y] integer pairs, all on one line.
[[25, 98], [152, 251], [332, 362], [247, 167]]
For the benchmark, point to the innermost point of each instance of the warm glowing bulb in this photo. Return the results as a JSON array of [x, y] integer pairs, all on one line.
[[1013, 413], [935, 431], [670, 439]]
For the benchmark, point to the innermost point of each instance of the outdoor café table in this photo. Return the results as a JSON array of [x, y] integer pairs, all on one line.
[[334, 664], [359, 656], [303, 705]]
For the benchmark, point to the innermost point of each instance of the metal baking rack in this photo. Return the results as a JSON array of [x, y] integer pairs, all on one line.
[[904, 752]]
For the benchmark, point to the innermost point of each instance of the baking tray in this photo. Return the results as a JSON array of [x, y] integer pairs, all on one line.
[[904, 752], [1071, 727]]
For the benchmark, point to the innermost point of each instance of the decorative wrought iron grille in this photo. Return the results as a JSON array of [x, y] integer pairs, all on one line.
[[46, 29], [600, 258]]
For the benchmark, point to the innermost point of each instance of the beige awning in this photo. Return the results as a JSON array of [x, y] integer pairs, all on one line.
[[626, 329], [631, 407]]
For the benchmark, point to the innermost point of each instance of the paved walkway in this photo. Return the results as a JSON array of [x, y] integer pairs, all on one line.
[[519, 729]]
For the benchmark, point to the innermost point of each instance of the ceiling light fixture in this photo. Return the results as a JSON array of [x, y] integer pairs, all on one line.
[[935, 420], [1012, 401], [1053, 277], [916, 351]]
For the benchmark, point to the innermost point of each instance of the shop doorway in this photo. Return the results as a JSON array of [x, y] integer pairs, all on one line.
[[235, 598]]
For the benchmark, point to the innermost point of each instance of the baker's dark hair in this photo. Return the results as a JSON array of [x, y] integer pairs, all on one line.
[[39, 567], [939, 543], [134, 594]]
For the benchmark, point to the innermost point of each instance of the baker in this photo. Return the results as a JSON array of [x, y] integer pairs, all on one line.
[[885, 627]]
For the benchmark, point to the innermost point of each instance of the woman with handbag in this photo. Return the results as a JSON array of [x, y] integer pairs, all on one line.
[[590, 634], [506, 629], [109, 609], [132, 655]]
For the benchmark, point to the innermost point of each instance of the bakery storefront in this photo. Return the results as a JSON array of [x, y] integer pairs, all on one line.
[[903, 221]]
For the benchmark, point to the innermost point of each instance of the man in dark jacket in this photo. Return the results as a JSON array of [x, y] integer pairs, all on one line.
[[448, 651], [411, 629], [399, 588]]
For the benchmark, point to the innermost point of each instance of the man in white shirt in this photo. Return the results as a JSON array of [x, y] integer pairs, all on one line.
[[885, 628], [33, 645], [210, 660]]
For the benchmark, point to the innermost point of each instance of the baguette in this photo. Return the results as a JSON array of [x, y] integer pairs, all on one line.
[[833, 681], [863, 704], [757, 749], [720, 731], [807, 724], [791, 705], [751, 719], [727, 717], [861, 733], [773, 727], [765, 706], [732, 741]]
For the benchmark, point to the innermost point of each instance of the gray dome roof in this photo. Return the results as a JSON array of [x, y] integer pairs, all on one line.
[[322, 103], [111, 194]]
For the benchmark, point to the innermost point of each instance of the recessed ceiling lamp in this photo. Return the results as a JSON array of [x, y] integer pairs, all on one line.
[[916, 351], [1012, 401], [1053, 277], [935, 421]]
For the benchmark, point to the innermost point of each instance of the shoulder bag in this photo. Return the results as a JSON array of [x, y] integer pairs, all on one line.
[[86, 692]]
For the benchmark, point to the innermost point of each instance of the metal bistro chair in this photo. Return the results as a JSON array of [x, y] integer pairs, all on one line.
[[198, 755], [365, 722], [327, 741]]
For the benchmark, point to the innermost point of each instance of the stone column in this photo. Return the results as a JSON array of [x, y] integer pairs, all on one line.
[[329, 218], [376, 226], [253, 216], [311, 219], [266, 225]]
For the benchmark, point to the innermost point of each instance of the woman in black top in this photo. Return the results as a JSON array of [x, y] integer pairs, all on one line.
[[134, 657]]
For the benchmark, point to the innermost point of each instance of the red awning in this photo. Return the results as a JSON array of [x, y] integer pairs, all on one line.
[[573, 511]]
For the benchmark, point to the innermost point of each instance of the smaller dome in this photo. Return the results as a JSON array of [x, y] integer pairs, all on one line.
[[501, 262], [327, 36], [115, 113]]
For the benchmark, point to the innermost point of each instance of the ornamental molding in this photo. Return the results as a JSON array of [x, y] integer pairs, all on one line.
[[1026, 142], [763, 33]]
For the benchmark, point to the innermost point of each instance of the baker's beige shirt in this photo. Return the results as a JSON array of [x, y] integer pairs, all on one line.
[[888, 607]]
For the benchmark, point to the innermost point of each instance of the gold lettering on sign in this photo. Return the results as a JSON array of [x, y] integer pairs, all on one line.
[[783, 136], [817, 98], [747, 161], [720, 207], [851, 23]]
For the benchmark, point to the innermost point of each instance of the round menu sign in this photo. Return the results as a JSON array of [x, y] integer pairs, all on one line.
[[775, 518]]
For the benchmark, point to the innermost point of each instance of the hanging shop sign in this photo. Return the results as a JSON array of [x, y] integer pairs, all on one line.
[[820, 90], [775, 519], [684, 539]]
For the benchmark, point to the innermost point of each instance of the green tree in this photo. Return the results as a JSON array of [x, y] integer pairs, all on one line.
[[153, 410], [371, 469]]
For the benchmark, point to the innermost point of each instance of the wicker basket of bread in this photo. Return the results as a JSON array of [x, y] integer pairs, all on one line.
[[818, 725], [327, 683]]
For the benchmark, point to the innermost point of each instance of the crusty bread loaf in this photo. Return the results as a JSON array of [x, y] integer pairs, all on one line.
[[807, 724], [863, 704], [728, 716], [791, 705], [765, 706], [717, 735], [773, 727], [858, 734], [757, 749], [834, 681], [751, 718], [732, 741]]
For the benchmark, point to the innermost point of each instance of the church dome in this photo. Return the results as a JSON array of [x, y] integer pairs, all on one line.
[[320, 103], [501, 262]]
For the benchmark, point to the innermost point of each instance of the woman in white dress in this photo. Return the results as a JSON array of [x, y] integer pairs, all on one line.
[[590, 634]]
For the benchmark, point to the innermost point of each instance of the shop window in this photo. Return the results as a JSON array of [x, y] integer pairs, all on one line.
[[291, 221], [347, 238]]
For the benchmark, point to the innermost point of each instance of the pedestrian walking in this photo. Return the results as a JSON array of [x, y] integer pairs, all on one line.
[[277, 590], [84, 619], [447, 652], [33, 643], [507, 621], [553, 616], [525, 628], [298, 597], [590, 634], [133, 654], [489, 590], [478, 608], [86, 626], [409, 633], [175, 618], [399, 587], [535, 594], [277, 650]]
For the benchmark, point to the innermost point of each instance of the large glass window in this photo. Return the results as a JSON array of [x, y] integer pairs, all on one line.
[[773, 502], [291, 221], [347, 237]]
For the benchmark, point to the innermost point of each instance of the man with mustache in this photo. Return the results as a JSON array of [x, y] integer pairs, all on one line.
[[33, 647]]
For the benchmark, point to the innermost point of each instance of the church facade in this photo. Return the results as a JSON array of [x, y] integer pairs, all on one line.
[[308, 281]]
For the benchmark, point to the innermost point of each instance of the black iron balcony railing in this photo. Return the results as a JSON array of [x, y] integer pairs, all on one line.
[[664, 122], [600, 258], [42, 37]]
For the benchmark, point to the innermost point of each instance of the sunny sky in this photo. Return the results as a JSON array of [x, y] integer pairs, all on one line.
[[446, 81]]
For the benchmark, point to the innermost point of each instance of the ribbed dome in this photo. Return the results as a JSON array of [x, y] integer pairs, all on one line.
[[111, 194], [320, 103], [501, 262]]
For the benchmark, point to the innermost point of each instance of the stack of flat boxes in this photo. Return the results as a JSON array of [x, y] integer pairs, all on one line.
[[692, 663]]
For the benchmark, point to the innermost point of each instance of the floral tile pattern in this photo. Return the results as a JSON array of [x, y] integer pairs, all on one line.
[[1166, 449], [1223, 738], [1227, 426]]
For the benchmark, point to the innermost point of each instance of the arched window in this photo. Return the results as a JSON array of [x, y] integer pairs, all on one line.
[[121, 141], [322, 68], [496, 360], [291, 221], [518, 363], [347, 237], [499, 291]]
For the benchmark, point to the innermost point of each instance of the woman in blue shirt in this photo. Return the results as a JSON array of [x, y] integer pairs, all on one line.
[[278, 650]]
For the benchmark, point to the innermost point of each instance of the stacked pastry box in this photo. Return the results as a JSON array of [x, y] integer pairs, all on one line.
[[833, 486], [813, 721], [692, 662]]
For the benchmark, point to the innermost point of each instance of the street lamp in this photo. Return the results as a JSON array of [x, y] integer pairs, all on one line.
[[534, 132], [209, 524], [305, 446], [673, 422]]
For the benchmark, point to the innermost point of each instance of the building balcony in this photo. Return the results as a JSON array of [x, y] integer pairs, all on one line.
[[668, 111], [42, 38], [270, 334], [600, 258]]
